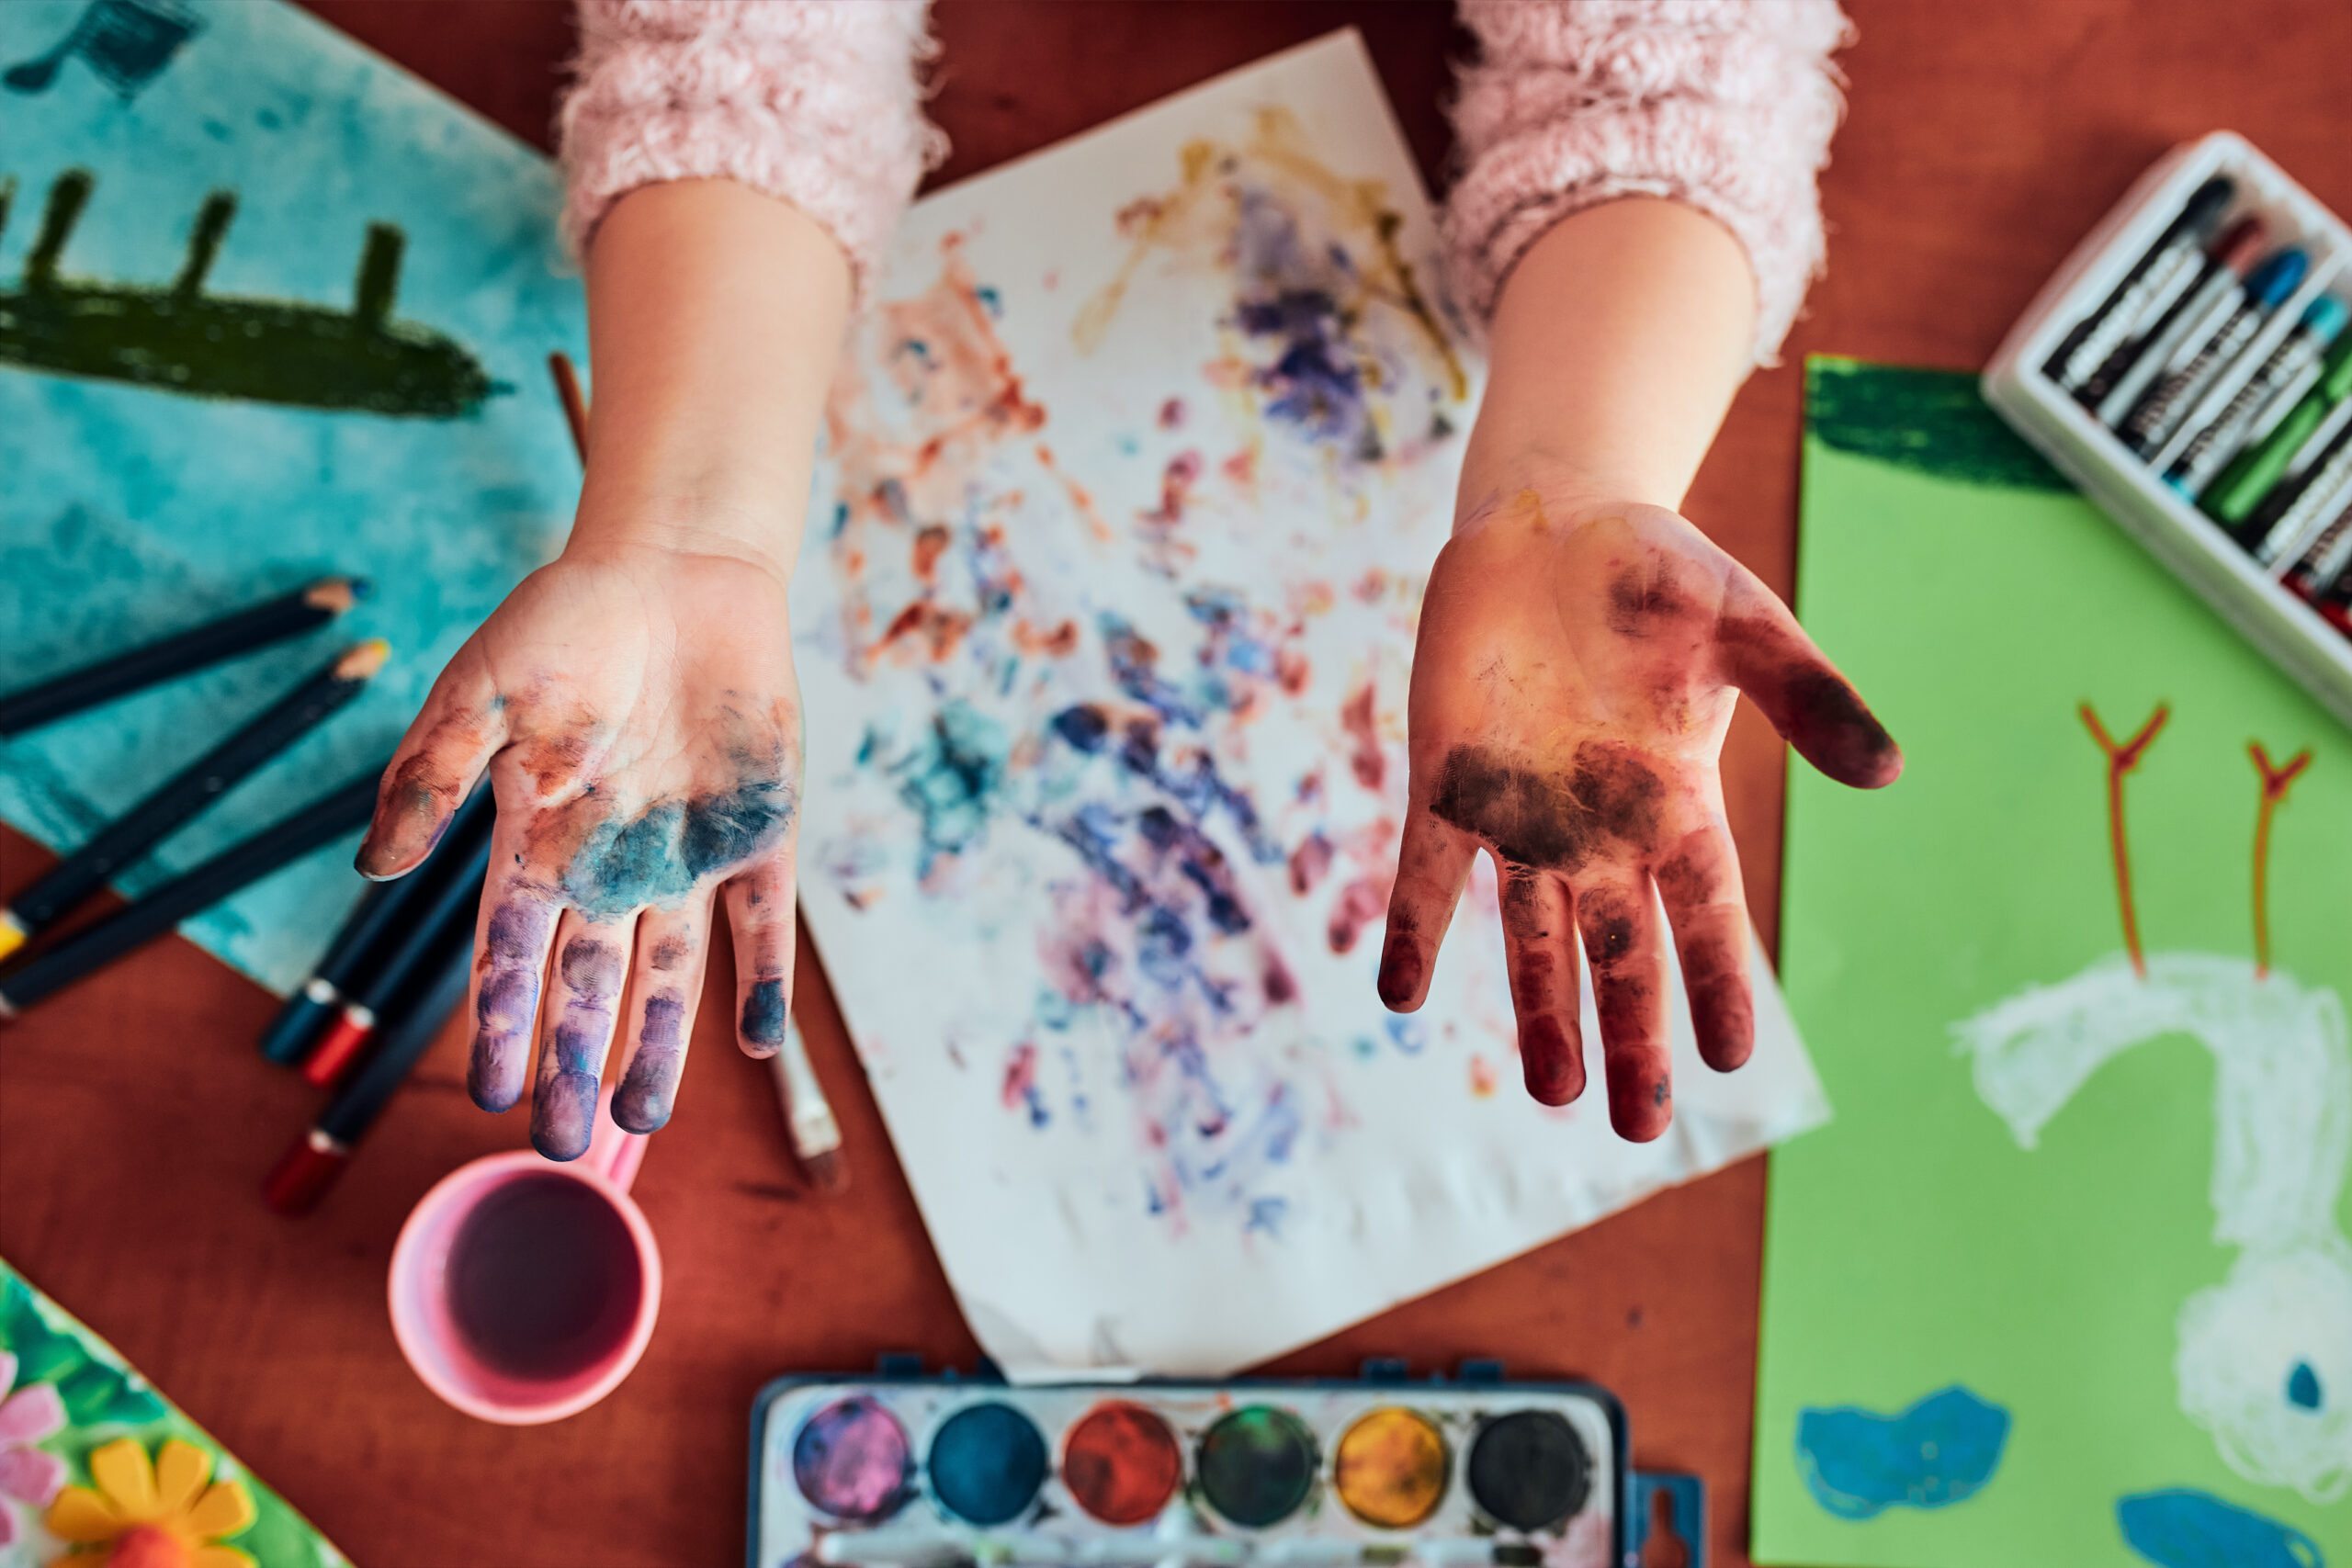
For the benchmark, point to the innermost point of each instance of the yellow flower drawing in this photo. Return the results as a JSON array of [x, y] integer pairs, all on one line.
[[151, 1515]]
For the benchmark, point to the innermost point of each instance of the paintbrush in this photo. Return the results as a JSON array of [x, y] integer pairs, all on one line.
[[320, 822], [808, 1118], [182, 653], [575, 407], [188, 792]]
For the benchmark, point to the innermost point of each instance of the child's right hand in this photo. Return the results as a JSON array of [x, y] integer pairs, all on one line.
[[636, 710]]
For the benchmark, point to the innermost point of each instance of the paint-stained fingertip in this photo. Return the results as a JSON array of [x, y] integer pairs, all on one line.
[[1641, 1115], [767, 1010], [489, 1084], [1550, 1063], [1404, 972], [1837, 732], [644, 1100], [560, 1145]]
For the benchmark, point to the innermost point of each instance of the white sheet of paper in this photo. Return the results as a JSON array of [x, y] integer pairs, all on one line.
[[1104, 623]]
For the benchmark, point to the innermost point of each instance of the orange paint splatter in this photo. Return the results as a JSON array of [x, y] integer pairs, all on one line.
[[1369, 763], [1360, 903], [930, 545], [1292, 669], [1482, 1077]]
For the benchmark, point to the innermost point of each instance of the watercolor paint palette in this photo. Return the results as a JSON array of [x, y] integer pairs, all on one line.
[[907, 1471]]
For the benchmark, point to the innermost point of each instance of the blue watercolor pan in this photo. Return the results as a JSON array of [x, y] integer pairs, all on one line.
[[906, 1470]]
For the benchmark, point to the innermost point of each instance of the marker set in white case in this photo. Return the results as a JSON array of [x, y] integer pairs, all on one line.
[[2170, 440]]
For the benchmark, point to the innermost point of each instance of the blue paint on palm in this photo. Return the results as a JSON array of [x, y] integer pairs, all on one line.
[[2185, 1529], [1941, 1451], [2302, 1387]]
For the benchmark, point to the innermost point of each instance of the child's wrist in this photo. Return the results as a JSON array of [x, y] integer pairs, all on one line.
[[759, 532], [1565, 482]]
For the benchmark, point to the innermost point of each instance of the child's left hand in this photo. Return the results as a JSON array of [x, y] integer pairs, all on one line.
[[1578, 665]]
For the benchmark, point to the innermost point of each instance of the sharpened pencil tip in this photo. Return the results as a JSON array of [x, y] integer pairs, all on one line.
[[828, 1172], [12, 932], [337, 594], [363, 660]]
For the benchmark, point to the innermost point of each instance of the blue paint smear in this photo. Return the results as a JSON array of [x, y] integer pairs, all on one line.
[[1941, 1451], [2185, 1529], [952, 781], [2302, 1387]]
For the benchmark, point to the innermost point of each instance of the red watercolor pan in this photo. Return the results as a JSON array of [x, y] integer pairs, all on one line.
[[1122, 1463]]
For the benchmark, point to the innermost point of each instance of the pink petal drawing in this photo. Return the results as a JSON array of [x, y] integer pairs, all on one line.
[[31, 1414], [31, 1475], [8, 1524]]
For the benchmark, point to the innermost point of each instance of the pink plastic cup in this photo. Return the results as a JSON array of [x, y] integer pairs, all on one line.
[[431, 1322]]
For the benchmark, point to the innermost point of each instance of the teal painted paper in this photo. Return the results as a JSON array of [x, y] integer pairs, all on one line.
[[1918, 1244], [129, 511]]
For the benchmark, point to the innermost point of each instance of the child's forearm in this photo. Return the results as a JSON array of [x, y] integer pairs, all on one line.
[[1618, 341], [716, 314]]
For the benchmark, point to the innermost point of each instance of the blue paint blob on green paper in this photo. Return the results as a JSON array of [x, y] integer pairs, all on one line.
[[2182, 1527], [1941, 1451]]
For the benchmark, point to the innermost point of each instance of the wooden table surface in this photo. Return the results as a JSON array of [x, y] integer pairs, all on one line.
[[136, 1119]]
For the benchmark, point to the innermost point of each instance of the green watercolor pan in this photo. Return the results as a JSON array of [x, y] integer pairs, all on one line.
[[905, 1470]]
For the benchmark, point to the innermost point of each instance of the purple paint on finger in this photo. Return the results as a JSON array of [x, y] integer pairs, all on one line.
[[515, 946], [852, 1460], [643, 1102], [563, 1104]]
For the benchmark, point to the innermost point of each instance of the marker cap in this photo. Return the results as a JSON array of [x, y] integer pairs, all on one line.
[[2268, 285], [2204, 206], [2325, 318], [2240, 245]]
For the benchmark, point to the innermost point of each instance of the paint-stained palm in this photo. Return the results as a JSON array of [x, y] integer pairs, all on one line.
[[1575, 672], [638, 716]]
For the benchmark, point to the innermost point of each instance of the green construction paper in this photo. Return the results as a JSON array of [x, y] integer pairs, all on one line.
[[105, 1398], [1913, 1244]]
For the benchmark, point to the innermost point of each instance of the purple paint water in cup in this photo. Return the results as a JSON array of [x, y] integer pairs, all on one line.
[[524, 1291], [543, 1279]]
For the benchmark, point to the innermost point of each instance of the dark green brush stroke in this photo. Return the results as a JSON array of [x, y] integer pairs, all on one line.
[[1932, 421], [179, 339]]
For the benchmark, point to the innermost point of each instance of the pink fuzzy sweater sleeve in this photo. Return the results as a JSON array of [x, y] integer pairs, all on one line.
[[814, 101], [1727, 104]]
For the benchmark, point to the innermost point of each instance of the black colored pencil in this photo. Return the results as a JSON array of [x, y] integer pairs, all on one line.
[[310, 1165], [455, 892], [188, 793], [181, 654], [381, 915], [324, 820]]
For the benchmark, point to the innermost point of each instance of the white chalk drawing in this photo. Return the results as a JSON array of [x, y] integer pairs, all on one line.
[[2263, 1359]]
